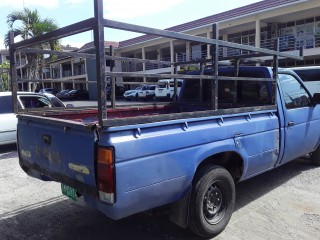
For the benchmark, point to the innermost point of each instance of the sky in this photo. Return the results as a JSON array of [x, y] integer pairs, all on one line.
[[156, 14]]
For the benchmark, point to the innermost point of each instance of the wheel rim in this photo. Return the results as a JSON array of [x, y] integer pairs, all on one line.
[[215, 203]]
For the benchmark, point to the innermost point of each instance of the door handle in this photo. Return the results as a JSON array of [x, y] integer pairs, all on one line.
[[290, 124]]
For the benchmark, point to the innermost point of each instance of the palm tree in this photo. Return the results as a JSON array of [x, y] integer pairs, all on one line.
[[4, 77], [28, 24]]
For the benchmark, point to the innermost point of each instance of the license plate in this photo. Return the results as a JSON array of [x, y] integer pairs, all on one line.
[[69, 192]]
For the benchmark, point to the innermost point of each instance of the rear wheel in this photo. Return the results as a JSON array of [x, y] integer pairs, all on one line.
[[212, 201]]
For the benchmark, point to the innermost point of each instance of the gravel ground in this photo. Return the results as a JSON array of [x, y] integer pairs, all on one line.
[[280, 204]]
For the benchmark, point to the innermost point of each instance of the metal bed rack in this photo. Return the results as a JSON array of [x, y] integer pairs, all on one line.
[[97, 24]]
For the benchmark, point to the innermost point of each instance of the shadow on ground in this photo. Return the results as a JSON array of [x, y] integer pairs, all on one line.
[[66, 220], [8, 151]]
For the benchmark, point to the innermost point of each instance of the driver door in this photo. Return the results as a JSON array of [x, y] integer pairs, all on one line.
[[301, 119]]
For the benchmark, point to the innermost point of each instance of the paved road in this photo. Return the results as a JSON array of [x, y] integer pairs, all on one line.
[[280, 204]]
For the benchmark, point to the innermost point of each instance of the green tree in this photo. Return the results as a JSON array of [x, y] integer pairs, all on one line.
[[28, 24], [4, 77]]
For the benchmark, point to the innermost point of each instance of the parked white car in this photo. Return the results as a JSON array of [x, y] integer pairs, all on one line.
[[132, 94], [8, 120], [147, 92], [165, 89]]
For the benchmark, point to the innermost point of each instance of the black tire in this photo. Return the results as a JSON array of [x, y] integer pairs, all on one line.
[[315, 157], [212, 201]]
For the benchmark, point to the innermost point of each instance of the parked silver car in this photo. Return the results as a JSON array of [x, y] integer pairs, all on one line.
[[8, 120]]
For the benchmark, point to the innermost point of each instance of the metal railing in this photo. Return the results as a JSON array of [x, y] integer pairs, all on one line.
[[286, 43]]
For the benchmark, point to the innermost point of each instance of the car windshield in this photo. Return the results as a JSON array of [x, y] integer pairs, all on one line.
[[308, 74], [56, 102], [34, 101]]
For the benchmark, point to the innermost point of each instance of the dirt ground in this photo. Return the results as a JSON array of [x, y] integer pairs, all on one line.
[[280, 204]]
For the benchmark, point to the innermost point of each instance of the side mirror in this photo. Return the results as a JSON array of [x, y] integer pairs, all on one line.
[[316, 98], [70, 105]]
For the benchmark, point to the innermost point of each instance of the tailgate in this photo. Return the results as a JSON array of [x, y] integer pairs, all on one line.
[[58, 149]]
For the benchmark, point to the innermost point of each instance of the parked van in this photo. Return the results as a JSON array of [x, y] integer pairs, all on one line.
[[165, 89], [310, 76]]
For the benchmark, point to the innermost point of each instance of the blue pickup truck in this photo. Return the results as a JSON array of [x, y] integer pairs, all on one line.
[[191, 162]]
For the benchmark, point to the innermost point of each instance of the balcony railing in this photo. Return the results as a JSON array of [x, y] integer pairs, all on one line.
[[56, 75], [286, 43], [293, 42]]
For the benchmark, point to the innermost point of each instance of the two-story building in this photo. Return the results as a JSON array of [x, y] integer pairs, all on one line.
[[295, 22]]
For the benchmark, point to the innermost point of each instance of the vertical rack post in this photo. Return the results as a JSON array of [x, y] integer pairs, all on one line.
[[275, 70], [113, 80], [175, 87], [236, 74], [13, 73], [98, 30], [215, 59], [201, 83]]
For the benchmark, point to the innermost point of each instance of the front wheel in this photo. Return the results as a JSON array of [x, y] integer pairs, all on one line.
[[212, 201], [315, 157]]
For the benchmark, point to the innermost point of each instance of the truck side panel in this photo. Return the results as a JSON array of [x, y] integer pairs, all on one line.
[[157, 165]]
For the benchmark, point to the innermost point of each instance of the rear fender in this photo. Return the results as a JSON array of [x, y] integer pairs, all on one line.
[[228, 145]]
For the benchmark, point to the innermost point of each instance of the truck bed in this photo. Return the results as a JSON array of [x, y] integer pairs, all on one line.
[[125, 115]]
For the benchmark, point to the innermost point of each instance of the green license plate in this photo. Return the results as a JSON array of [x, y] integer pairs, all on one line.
[[69, 192]]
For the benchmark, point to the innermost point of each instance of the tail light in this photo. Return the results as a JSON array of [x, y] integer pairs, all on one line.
[[105, 175]]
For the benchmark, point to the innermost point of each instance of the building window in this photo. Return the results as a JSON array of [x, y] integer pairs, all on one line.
[[246, 38]]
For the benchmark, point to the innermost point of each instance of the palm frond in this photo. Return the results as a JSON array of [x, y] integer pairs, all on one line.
[[16, 32], [15, 16]]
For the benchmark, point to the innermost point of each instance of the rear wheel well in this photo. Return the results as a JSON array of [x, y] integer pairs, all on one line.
[[231, 161]]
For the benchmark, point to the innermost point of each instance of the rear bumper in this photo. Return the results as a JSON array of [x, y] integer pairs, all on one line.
[[34, 170]]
